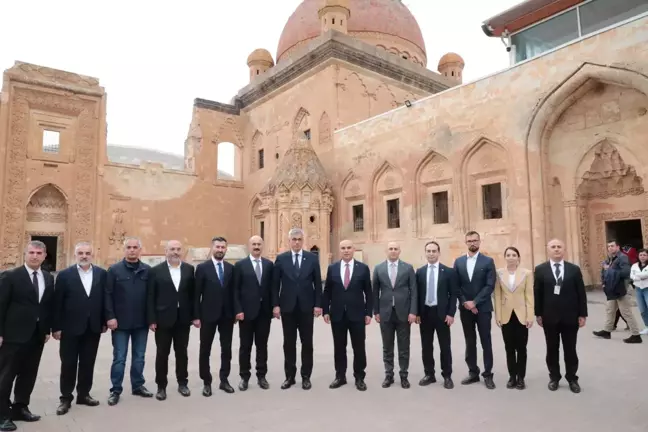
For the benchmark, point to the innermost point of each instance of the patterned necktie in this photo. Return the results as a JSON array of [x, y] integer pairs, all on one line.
[[392, 275], [431, 290], [35, 283], [257, 270], [558, 275], [220, 272], [347, 276]]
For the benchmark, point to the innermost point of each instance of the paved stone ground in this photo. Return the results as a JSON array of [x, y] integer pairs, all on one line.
[[613, 376]]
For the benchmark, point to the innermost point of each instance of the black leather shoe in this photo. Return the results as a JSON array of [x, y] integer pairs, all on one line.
[[634, 339], [7, 425], [184, 390], [243, 385], [427, 380], [306, 383], [226, 387], [142, 392], [490, 384], [471, 379], [553, 385], [602, 334], [448, 384], [389, 380], [360, 385], [207, 390], [337, 383], [87, 401], [113, 399], [289, 382], [405, 383], [574, 387], [511, 383], [161, 394], [263, 383], [63, 408], [520, 385], [23, 414]]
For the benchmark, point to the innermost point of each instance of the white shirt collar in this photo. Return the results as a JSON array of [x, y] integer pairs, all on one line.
[[254, 259], [174, 267], [85, 271], [389, 263], [301, 252], [561, 262], [472, 257], [436, 264], [215, 261], [31, 272], [351, 263]]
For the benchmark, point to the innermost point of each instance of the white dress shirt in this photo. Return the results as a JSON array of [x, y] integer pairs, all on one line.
[[432, 268], [301, 257], [86, 278], [511, 282], [215, 261], [471, 262], [343, 266], [40, 278], [562, 268], [175, 274]]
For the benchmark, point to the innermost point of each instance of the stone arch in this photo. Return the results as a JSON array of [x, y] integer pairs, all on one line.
[[257, 144], [229, 132], [47, 216], [386, 184], [433, 174], [258, 215], [382, 100], [300, 123], [228, 161]]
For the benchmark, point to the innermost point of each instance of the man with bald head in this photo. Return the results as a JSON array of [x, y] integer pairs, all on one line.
[[560, 309], [253, 309], [170, 313], [347, 306]]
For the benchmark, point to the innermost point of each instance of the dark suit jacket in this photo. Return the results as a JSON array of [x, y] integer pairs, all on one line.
[[356, 300], [73, 310], [565, 308], [615, 278], [251, 298], [165, 304], [20, 312], [289, 287], [125, 294], [480, 288], [447, 290], [402, 297], [213, 300]]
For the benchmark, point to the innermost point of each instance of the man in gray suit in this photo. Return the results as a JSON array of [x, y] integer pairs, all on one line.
[[395, 307]]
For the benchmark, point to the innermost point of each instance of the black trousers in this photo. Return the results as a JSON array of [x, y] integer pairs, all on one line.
[[291, 323], [391, 330], [78, 354], [257, 332], [516, 336], [431, 322], [19, 362], [164, 337], [356, 329], [225, 328], [472, 323], [553, 334], [618, 317]]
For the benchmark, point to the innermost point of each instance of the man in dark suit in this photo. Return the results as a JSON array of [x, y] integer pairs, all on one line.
[[560, 309], [78, 310], [395, 306], [347, 306], [297, 298], [476, 274], [437, 296], [253, 308], [26, 294], [214, 310], [170, 313]]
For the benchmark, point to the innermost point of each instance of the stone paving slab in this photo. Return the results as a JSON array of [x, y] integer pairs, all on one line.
[[613, 376]]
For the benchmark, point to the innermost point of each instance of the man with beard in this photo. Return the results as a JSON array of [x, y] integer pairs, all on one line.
[[78, 323], [170, 312], [125, 310], [253, 308], [26, 294], [214, 309], [476, 273]]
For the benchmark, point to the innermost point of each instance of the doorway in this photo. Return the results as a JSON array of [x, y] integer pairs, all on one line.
[[315, 250], [625, 232], [51, 243]]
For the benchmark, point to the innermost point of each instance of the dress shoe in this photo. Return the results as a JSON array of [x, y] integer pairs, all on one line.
[[427, 380], [471, 379], [389, 380], [207, 390], [226, 387], [23, 414], [306, 383], [520, 384], [289, 382], [511, 383], [184, 390], [574, 387], [7, 425], [142, 392], [337, 383], [87, 401], [633, 339], [448, 384], [63, 408], [263, 383], [161, 394], [243, 385], [113, 399], [405, 383], [602, 334], [553, 385], [360, 384], [490, 384]]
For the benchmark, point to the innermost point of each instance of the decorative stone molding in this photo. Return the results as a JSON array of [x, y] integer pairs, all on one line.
[[61, 262]]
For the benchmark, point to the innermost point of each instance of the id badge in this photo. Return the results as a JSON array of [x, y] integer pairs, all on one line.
[[557, 289]]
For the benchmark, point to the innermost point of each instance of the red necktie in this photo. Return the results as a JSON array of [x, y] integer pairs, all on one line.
[[347, 276]]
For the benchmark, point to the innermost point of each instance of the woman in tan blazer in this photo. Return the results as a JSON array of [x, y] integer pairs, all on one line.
[[514, 314]]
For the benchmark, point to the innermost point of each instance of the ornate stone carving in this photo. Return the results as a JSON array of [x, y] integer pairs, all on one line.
[[296, 220], [257, 142], [324, 129], [583, 216], [300, 123], [118, 233], [35, 74]]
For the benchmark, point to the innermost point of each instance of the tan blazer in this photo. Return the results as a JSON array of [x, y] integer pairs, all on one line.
[[519, 300]]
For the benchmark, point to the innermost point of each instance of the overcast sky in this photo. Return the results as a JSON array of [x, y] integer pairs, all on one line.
[[154, 59]]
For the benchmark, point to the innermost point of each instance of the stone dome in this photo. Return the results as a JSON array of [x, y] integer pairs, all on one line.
[[451, 58], [385, 23], [260, 55]]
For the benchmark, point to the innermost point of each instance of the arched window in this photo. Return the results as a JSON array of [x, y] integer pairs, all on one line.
[[228, 161]]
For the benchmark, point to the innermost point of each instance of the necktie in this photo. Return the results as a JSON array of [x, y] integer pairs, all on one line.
[[296, 263], [220, 272], [257, 270], [431, 290], [35, 283], [392, 275], [347, 276], [558, 275]]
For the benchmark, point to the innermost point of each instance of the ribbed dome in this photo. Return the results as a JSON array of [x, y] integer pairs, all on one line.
[[451, 58], [260, 55], [387, 17]]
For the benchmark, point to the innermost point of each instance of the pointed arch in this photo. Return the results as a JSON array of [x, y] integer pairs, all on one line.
[[383, 169], [43, 187], [475, 147], [228, 130], [324, 129], [386, 199], [257, 143], [433, 174], [302, 114]]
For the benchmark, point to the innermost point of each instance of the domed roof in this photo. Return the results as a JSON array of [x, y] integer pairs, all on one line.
[[260, 55], [341, 3], [451, 58], [390, 17]]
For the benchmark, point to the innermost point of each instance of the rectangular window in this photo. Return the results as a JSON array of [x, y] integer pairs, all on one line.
[[545, 36], [261, 159], [51, 141], [358, 218], [492, 200], [393, 213], [599, 14], [307, 133], [440, 206], [262, 229]]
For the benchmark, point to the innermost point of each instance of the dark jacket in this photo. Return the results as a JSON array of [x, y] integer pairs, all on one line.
[[251, 298], [614, 279], [447, 291], [74, 311], [292, 287], [213, 300], [166, 305], [125, 295], [356, 300], [480, 288], [566, 307]]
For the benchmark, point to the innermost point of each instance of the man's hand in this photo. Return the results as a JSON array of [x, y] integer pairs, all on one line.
[[276, 312], [377, 318], [1, 339], [47, 337], [104, 329], [581, 321], [499, 323], [449, 320], [240, 317], [196, 323], [57, 335], [474, 310], [112, 324], [153, 327], [327, 319], [317, 312], [367, 320], [418, 320], [529, 324], [411, 318], [470, 305], [539, 321]]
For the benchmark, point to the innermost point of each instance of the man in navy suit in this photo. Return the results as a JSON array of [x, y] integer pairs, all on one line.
[[347, 306], [476, 273], [78, 323], [297, 298]]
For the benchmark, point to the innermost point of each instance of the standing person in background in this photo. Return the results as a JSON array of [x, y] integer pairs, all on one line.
[[639, 275]]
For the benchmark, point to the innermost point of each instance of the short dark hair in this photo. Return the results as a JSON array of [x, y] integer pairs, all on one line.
[[219, 239], [472, 233], [434, 243], [514, 249], [613, 241]]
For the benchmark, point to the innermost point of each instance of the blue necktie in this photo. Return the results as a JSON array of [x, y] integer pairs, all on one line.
[[220, 272]]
